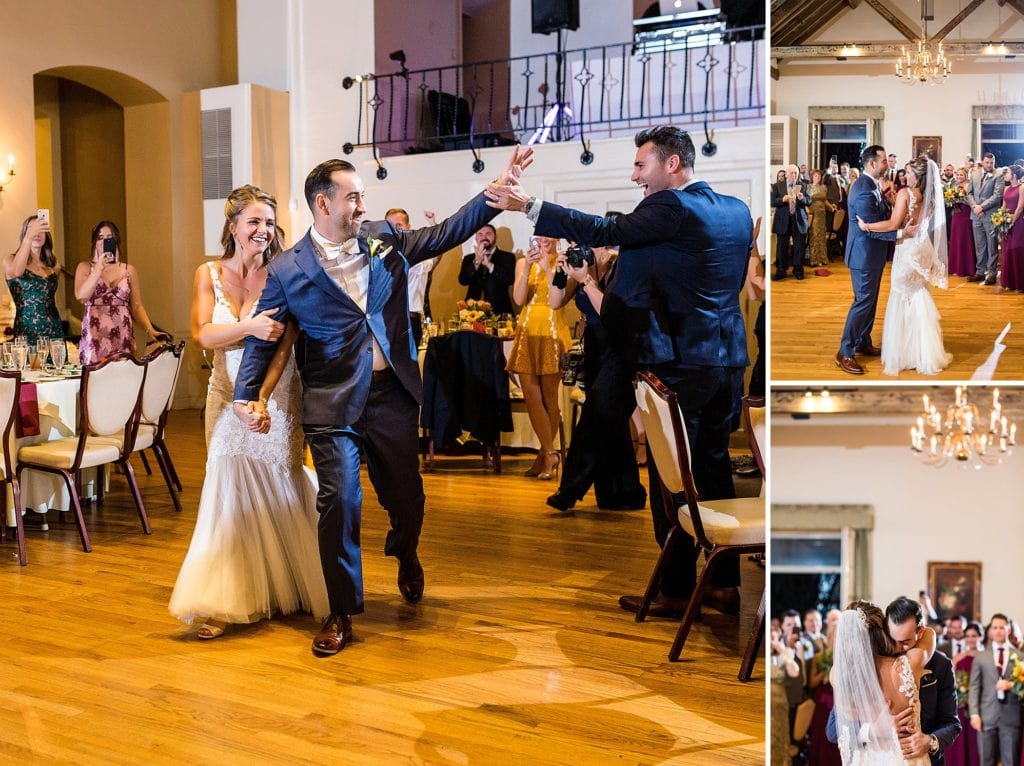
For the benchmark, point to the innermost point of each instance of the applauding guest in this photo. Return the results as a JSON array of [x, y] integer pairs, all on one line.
[[32, 275], [112, 296], [488, 272]]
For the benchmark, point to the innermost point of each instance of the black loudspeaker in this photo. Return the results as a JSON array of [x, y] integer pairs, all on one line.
[[551, 15]]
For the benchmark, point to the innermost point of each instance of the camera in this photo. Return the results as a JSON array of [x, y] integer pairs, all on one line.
[[575, 256], [571, 365]]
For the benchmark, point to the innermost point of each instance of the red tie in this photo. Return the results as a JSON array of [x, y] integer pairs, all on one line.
[[999, 662]]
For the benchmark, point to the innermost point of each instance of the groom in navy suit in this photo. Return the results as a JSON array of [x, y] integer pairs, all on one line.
[[866, 254], [673, 308], [344, 285]]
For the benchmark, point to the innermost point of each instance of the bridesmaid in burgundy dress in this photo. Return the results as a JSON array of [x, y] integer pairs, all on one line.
[[962, 260], [964, 750], [822, 752], [1012, 274]]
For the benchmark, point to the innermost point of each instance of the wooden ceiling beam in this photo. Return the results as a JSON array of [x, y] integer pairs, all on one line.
[[824, 14], [956, 20], [883, 10], [888, 50], [784, 20]]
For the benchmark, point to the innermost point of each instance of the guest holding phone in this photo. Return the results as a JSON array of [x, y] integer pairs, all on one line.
[[112, 296], [32, 274]]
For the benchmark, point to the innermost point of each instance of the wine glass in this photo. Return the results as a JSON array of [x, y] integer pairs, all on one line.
[[58, 352], [43, 351]]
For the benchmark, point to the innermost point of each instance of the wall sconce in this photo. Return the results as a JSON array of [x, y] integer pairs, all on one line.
[[6, 179]]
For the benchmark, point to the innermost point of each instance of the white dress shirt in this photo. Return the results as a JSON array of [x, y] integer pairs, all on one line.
[[349, 267], [418, 275]]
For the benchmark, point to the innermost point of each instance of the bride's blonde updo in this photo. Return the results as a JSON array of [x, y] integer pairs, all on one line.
[[920, 168], [882, 644], [234, 205]]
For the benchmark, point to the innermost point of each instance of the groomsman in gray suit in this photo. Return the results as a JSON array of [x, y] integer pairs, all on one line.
[[994, 709], [985, 195]]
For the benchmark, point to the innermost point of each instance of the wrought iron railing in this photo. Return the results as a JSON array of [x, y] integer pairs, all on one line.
[[604, 91]]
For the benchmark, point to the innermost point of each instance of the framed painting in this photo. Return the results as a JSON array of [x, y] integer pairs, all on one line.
[[929, 146], [955, 588]]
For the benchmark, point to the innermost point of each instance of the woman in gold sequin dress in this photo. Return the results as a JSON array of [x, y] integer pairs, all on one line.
[[541, 338]]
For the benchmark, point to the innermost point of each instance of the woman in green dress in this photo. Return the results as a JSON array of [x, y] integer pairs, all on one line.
[[32, 273]]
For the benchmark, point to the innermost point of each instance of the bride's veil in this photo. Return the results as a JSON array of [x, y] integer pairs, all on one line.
[[863, 721], [933, 222]]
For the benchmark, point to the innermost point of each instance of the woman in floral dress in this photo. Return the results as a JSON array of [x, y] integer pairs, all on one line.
[[32, 275], [113, 298]]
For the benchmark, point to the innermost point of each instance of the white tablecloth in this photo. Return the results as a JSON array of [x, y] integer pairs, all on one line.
[[58, 419]]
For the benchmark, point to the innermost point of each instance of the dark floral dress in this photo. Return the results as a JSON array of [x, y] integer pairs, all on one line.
[[37, 316], [107, 325]]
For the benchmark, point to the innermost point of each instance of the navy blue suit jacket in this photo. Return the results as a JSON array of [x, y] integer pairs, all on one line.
[[938, 705], [334, 350], [674, 299], [867, 250], [781, 218]]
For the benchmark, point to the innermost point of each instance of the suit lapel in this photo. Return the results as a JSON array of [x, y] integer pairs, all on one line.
[[378, 290], [308, 259]]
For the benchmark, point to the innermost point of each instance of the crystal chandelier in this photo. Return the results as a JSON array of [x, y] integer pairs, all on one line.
[[923, 64], [961, 435]]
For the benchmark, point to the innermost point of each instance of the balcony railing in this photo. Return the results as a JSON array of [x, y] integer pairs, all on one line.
[[606, 91]]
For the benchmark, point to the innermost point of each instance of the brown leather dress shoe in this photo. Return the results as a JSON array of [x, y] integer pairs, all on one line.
[[410, 578], [333, 636], [870, 350], [724, 600], [662, 606], [848, 364], [976, 278]]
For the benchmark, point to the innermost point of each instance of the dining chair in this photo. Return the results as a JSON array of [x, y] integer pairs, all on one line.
[[162, 368], [108, 403], [719, 527], [10, 393]]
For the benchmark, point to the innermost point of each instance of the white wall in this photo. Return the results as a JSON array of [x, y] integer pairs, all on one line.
[[602, 22], [910, 110], [922, 513]]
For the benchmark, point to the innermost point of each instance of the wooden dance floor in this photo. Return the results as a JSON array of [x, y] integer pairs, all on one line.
[[517, 654], [807, 321]]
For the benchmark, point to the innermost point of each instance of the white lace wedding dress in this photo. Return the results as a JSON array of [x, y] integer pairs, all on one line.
[[254, 550], [912, 334]]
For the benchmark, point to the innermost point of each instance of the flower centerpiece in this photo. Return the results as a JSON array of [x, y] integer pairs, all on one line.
[[475, 313]]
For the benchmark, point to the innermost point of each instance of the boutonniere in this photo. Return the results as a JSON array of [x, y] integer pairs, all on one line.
[[376, 250]]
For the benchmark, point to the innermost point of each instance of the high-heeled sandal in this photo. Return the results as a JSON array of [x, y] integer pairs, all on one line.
[[534, 470], [211, 629], [640, 450], [551, 467]]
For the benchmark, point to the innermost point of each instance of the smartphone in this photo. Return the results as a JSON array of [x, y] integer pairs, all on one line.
[[43, 214], [109, 250], [533, 242]]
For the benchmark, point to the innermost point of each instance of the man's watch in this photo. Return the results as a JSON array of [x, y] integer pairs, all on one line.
[[933, 745], [528, 205]]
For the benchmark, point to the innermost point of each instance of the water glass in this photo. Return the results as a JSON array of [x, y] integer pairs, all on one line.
[[58, 352], [43, 350], [20, 356]]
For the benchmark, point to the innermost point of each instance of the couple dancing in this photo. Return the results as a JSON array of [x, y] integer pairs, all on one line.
[[338, 297], [912, 336], [895, 696]]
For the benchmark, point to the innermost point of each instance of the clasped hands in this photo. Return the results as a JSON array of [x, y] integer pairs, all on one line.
[[254, 415], [506, 193]]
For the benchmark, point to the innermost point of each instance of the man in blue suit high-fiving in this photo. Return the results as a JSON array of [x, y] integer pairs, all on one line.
[[345, 285], [866, 255], [673, 308]]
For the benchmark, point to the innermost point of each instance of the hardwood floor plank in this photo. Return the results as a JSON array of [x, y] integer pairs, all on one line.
[[518, 652], [807, 319]]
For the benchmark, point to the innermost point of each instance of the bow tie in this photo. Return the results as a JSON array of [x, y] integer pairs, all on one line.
[[332, 250]]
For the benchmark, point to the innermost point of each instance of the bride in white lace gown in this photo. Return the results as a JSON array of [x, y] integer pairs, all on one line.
[[871, 684], [254, 550], [912, 335]]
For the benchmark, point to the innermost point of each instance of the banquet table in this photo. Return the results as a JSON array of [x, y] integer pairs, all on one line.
[[58, 418]]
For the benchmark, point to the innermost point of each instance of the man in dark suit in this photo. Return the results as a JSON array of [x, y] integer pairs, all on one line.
[[488, 272], [344, 285], [940, 725], [673, 308], [789, 224], [866, 254]]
